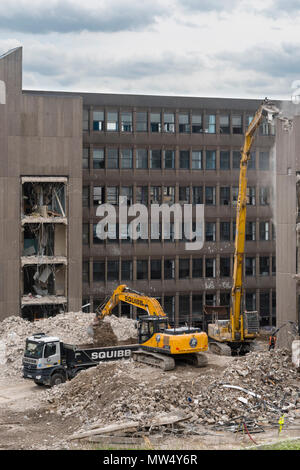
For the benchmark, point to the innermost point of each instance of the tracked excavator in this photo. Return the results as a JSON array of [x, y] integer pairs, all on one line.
[[236, 335], [159, 344]]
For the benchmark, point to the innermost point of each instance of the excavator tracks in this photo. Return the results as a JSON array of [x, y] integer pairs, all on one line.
[[154, 359], [220, 349]]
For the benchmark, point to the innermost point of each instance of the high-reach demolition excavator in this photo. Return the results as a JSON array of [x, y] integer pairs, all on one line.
[[236, 334]]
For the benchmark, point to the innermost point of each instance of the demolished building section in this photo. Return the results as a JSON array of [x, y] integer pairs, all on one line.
[[44, 259]]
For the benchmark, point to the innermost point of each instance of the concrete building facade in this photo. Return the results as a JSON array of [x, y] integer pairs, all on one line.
[[68, 153], [40, 186]]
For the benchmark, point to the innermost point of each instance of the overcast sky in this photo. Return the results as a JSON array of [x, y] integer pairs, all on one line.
[[222, 48]]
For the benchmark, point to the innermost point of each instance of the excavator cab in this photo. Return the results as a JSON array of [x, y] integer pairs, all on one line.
[[148, 326]]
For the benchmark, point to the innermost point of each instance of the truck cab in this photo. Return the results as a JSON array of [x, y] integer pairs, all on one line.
[[42, 360]]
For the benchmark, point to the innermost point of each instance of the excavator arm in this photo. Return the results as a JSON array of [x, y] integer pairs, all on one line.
[[237, 328], [124, 294]]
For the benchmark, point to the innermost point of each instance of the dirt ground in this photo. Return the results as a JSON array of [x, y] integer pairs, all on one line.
[[26, 424]]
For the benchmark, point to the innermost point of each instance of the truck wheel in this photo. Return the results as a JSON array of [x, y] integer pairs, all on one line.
[[57, 379]]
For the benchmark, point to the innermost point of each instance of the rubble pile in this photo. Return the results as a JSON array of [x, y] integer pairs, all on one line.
[[71, 328], [123, 327], [266, 386]]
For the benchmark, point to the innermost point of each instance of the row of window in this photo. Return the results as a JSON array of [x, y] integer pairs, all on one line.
[[182, 268], [143, 158], [146, 195], [195, 122], [213, 231], [189, 307]]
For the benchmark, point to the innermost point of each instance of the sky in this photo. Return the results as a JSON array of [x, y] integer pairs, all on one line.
[[213, 48]]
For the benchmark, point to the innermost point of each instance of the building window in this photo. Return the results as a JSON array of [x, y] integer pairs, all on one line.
[[85, 159], [210, 231], [184, 159], [184, 268], [126, 270], [169, 269], [264, 265], [169, 159], [126, 122], [197, 267], [250, 266], [142, 159], [225, 195], [210, 195], [155, 195], [169, 122], [196, 160], [197, 195], [264, 231], [184, 122], [235, 195], [142, 269], [264, 196], [85, 120], [236, 159], [210, 267], [169, 195], [112, 121], [184, 308], [225, 231], [155, 266], [225, 267], [224, 124], [98, 195], [141, 121], [141, 195], [252, 161], [155, 122], [112, 195], [98, 120], [210, 123], [264, 161], [267, 128], [273, 265], [98, 159], [210, 160], [85, 234], [99, 271], [184, 195], [169, 306], [155, 159], [251, 195], [264, 307], [126, 158], [112, 158], [112, 270], [250, 300], [225, 160], [197, 126], [237, 124], [210, 299], [197, 307], [126, 191], [86, 196], [250, 231]]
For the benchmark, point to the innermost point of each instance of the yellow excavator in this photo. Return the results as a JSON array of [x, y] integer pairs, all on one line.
[[159, 344], [236, 335]]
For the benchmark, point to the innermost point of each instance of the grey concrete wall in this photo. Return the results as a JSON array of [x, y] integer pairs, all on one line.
[[286, 216], [39, 136]]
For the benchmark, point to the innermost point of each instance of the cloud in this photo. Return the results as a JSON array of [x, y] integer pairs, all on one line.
[[279, 8], [43, 17], [209, 5], [280, 61]]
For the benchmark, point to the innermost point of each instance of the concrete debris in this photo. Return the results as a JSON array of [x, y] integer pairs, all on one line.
[[113, 393], [72, 328]]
